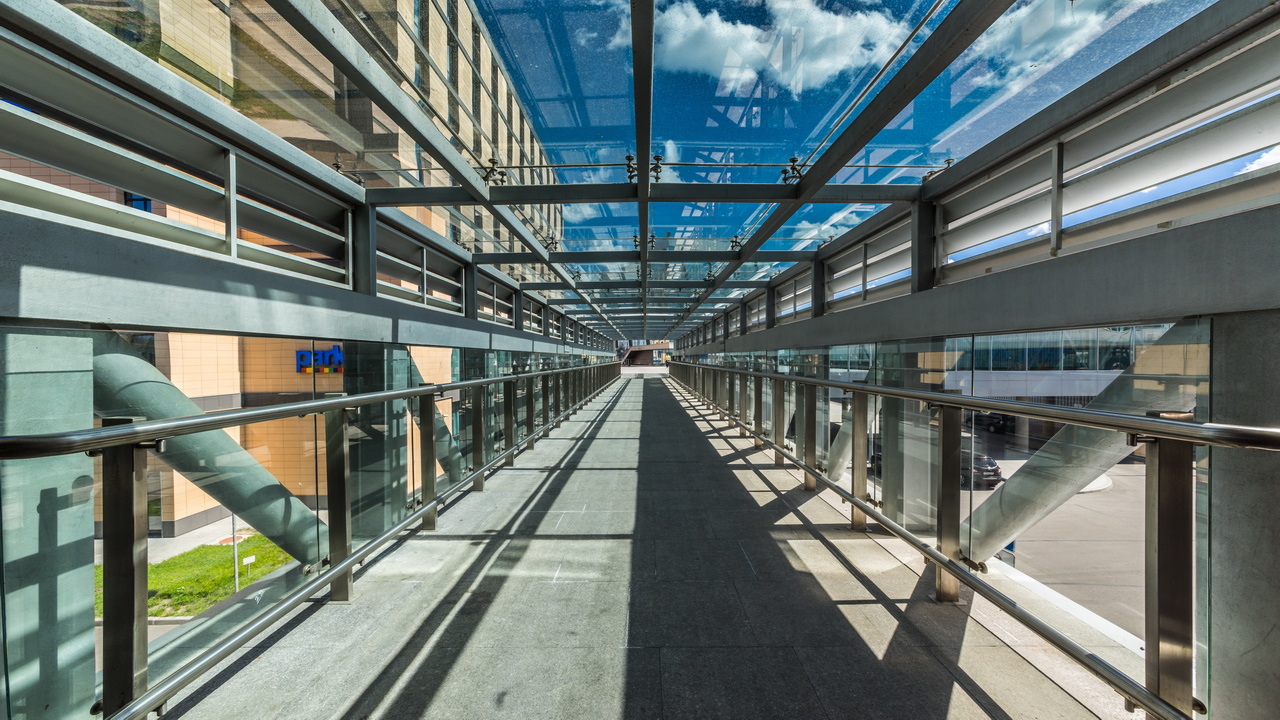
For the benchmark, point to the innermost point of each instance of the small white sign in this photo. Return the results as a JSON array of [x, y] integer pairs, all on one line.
[[249, 559]]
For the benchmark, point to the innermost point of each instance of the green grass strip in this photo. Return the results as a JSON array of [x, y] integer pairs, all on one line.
[[196, 580]]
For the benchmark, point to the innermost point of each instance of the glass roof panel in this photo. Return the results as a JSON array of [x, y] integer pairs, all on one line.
[[573, 72], [753, 84], [1039, 51]]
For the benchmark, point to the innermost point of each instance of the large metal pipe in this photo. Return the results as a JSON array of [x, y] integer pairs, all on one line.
[[126, 384], [1076, 456]]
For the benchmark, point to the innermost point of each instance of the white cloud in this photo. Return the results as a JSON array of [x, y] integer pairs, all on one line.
[[583, 37], [1266, 159], [801, 47], [580, 212]]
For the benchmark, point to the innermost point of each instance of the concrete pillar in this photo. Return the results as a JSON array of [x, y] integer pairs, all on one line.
[[1244, 534]]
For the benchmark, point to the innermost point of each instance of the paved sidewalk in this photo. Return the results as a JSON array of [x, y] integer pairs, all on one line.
[[643, 562]]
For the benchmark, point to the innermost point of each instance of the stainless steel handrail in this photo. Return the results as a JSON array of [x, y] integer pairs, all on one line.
[[1235, 436], [1126, 686], [155, 696], [49, 444]]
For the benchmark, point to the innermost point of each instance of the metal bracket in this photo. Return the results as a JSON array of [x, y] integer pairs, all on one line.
[[655, 169], [793, 172], [632, 169], [492, 175]]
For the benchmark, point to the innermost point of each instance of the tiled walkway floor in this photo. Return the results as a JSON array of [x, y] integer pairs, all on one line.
[[642, 562]]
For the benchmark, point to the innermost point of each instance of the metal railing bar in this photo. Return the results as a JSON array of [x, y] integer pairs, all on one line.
[[1126, 686], [1222, 435], [161, 692], [45, 445]]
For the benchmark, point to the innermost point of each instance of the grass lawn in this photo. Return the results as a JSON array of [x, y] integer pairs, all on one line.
[[196, 580]]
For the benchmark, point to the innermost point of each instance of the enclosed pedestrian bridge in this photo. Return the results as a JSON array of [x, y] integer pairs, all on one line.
[[681, 359]]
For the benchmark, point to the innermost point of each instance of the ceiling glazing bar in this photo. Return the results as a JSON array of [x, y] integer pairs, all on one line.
[[642, 82]]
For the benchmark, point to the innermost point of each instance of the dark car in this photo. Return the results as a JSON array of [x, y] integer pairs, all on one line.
[[980, 467]]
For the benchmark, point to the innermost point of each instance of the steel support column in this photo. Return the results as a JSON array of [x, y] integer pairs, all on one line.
[[856, 416], [779, 419], [950, 421], [806, 411], [924, 247], [509, 420], [1170, 570], [338, 482], [427, 465], [124, 572], [362, 268]]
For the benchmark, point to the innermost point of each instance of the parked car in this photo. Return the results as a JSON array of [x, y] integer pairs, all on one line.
[[980, 467], [972, 465]]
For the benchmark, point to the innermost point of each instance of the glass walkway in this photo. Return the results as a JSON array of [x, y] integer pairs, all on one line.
[[643, 561]]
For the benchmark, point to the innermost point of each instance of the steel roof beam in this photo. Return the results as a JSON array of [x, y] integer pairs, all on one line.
[[573, 193], [657, 256], [642, 86], [633, 284]]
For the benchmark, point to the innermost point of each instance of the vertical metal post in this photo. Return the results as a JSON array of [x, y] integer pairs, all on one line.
[[779, 418], [818, 289], [950, 419], [866, 256], [558, 379], [731, 400], [757, 409], [856, 415], [337, 478], [478, 434], [509, 419], [124, 572], [470, 291], [809, 415], [1055, 200], [530, 412], [1170, 572], [363, 270], [547, 380], [924, 264], [742, 404], [231, 207], [427, 442]]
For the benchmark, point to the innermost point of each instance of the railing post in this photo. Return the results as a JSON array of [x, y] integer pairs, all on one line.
[[950, 420], [731, 400], [478, 434], [559, 383], [1170, 570], [546, 402], [337, 479], [856, 415], [124, 572], [807, 411], [722, 393], [757, 410], [427, 443], [509, 420], [779, 419], [530, 412], [742, 403]]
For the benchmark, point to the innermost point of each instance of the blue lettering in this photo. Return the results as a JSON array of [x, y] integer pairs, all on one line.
[[303, 358]]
